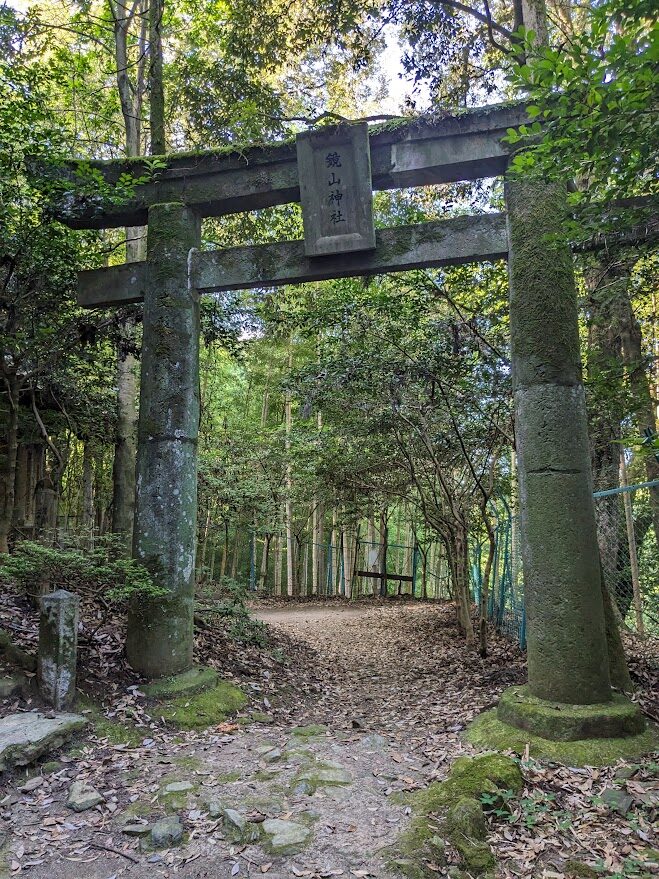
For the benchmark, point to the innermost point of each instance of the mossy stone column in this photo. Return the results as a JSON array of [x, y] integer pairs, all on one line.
[[160, 631], [58, 648], [567, 649]]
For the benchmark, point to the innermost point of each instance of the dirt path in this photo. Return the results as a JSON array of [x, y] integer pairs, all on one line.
[[389, 688]]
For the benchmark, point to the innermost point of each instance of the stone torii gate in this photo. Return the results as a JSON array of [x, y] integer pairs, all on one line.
[[333, 172]]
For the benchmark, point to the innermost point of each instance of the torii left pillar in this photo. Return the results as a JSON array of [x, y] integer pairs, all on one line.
[[160, 631]]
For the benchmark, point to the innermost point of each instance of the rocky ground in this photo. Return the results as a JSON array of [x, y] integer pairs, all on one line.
[[352, 709]]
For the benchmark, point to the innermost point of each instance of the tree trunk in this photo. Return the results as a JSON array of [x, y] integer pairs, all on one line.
[[460, 576], [22, 487], [278, 561], [88, 493], [130, 98], [263, 575], [9, 470], [291, 585], [156, 85]]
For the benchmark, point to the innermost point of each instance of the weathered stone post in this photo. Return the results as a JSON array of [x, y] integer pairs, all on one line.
[[567, 651], [160, 632], [58, 646]]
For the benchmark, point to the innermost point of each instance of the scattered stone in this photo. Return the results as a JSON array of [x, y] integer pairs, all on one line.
[[178, 787], [617, 800], [233, 821], [136, 830], [374, 742], [27, 736], [284, 837], [238, 828], [214, 809], [272, 756], [32, 784], [51, 766], [624, 773], [83, 796], [165, 833], [326, 776]]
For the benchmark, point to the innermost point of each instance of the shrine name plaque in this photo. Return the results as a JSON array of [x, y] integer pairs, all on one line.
[[334, 168]]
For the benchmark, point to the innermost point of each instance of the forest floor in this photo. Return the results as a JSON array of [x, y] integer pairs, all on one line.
[[357, 704]]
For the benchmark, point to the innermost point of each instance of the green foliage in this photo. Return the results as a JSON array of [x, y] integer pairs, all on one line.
[[594, 102], [92, 573], [229, 601]]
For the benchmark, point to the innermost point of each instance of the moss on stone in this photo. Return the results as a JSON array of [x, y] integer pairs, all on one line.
[[561, 722], [260, 717], [229, 777], [205, 708], [580, 870], [488, 732], [451, 809], [194, 680], [466, 829], [308, 732], [470, 777]]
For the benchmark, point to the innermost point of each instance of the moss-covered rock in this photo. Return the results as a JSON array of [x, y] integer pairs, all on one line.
[[451, 810], [205, 708], [580, 870], [488, 732], [466, 829], [320, 775], [194, 680], [308, 732], [561, 722]]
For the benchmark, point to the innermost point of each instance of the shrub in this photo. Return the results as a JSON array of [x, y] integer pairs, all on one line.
[[94, 573]]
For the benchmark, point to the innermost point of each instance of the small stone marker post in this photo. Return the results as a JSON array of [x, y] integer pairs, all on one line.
[[58, 646]]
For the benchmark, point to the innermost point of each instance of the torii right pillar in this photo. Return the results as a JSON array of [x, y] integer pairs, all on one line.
[[568, 657]]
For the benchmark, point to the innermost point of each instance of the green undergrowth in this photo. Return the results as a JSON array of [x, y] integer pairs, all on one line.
[[203, 709], [488, 732], [451, 810]]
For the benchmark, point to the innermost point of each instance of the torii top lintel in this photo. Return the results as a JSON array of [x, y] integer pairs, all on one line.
[[416, 152]]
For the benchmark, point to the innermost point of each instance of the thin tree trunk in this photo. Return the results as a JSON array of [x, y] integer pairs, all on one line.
[[22, 487], [236, 552], [291, 586], [130, 97], [278, 563], [264, 562], [9, 470], [88, 492], [156, 85]]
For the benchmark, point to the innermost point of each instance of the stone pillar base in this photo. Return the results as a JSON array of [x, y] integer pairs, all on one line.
[[560, 722]]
